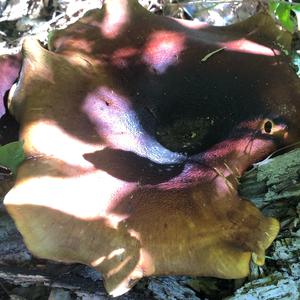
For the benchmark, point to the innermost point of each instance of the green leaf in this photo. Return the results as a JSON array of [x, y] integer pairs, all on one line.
[[12, 155], [296, 8], [283, 12], [273, 5]]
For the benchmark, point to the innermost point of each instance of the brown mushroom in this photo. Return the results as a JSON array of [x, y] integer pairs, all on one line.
[[9, 71], [10, 66], [98, 187]]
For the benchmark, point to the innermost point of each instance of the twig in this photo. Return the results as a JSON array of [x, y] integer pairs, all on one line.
[[273, 153], [207, 56]]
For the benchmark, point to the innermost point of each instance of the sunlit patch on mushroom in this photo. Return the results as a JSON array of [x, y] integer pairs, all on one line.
[[113, 220], [116, 252], [117, 122], [121, 56], [35, 53], [134, 234], [40, 140], [116, 16], [98, 261], [119, 267], [163, 49], [194, 24], [250, 47], [62, 196]]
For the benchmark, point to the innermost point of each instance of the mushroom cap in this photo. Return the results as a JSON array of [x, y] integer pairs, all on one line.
[[98, 187]]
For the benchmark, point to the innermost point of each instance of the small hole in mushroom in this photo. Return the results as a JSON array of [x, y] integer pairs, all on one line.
[[268, 126]]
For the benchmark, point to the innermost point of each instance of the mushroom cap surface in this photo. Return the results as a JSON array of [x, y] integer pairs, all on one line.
[[101, 188]]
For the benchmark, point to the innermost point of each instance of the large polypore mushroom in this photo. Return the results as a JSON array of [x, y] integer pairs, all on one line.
[[101, 184]]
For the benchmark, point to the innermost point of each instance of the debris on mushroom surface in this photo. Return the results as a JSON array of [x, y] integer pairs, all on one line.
[[99, 186]]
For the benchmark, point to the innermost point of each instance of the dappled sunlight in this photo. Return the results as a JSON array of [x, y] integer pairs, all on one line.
[[98, 261], [47, 138], [234, 156], [52, 234], [113, 220], [113, 117], [84, 196], [116, 252], [118, 123], [36, 58], [120, 57], [77, 45], [116, 15], [145, 266], [9, 71], [76, 42], [191, 24], [223, 187], [119, 267], [97, 186], [163, 49], [246, 46], [251, 141], [146, 262], [134, 234]]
